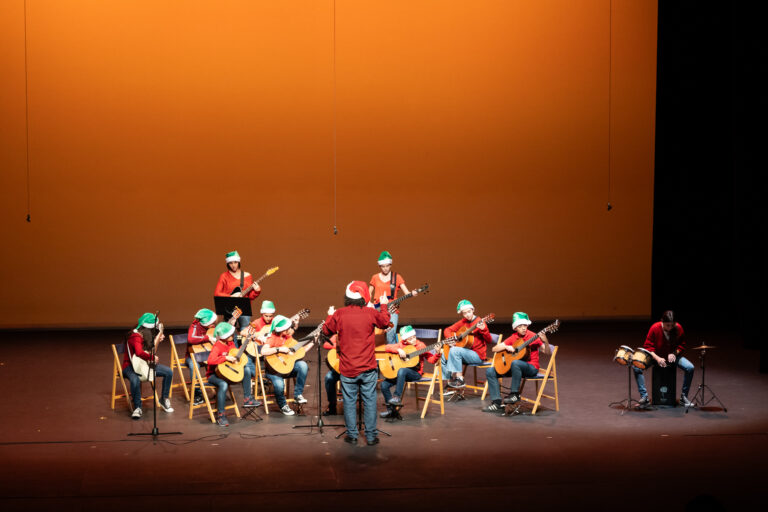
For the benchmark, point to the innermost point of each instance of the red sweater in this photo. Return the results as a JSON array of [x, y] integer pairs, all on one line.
[[218, 355], [227, 283], [196, 335], [432, 358], [481, 337], [134, 343], [533, 354], [657, 343], [354, 325]]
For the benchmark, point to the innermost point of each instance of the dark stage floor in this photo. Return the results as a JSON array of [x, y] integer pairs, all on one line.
[[62, 445]]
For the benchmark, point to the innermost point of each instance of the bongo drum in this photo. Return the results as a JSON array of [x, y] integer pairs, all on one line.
[[642, 359], [623, 355]]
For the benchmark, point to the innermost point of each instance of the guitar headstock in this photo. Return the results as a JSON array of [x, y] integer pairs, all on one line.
[[272, 271], [236, 313], [553, 327], [490, 318], [423, 289], [304, 313]]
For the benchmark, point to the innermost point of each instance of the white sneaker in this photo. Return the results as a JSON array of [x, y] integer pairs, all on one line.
[[136, 413], [166, 405], [300, 399], [287, 410]]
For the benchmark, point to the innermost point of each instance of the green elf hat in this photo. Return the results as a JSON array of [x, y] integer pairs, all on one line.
[[464, 304], [267, 307], [206, 317], [280, 324], [407, 332], [233, 256], [520, 318], [385, 258], [224, 330], [147, 320]]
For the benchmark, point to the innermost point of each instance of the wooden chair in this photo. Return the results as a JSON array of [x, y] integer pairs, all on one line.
[[269, 398], [178, 363], [200, 382], [479, 385], [117, 374], [545, 375], [434, 379]]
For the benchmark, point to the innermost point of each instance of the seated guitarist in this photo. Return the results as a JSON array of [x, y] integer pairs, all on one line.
[[140, 343], [280, 332], [460, 355], [225, 334], [233, 278], [387, 283], [528, 366], [407, 339], [197, 334]]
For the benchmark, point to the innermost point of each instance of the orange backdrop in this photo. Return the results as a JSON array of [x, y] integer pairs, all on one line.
[[473, 142]]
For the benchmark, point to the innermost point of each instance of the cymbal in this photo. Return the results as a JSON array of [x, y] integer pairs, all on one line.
[[704, 347]]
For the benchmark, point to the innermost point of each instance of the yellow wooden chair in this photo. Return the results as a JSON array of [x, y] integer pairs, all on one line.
[[200, 382], [177, 364], [479, 385], [117, 374], [432, 380], [258, 382], [547, 374]]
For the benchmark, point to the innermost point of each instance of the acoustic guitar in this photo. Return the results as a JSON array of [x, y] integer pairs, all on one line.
[[390, 363], [283, 363], [236, 313], [260, 335], [235, 371], [502, 361], [462, 338], [255, 282], [394, 304]]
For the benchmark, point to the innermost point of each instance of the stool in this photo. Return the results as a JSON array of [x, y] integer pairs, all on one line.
[[664, 384]]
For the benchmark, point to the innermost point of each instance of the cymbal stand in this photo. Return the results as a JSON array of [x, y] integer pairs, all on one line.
[[626, 404], [700, 401]]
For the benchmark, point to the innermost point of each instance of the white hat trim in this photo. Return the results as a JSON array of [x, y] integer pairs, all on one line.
[[521, 322]]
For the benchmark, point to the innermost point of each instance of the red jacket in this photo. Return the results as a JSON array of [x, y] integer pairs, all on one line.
[[533, 354], [218, 355], [134, 343], [657, 343], [481, 337], [196, 335], [227, 283], [354, 325], [432, 358]]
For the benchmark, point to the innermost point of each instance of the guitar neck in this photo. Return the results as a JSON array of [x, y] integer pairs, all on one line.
[[425, 349], [471, 328]]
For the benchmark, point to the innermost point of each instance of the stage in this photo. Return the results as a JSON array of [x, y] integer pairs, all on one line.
[[63, 447]]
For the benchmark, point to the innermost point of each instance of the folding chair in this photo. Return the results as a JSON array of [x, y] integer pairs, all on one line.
[[258, 382], [548, 374], [177, 364], [117, 374], [433, 379], [269, 398], [200, 382], [479, 385]]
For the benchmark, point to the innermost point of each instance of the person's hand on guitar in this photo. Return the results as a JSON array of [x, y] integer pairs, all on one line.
[[383, 300], [672, 358], [230, 358], [284, 350], [511, 349], [402, 353]]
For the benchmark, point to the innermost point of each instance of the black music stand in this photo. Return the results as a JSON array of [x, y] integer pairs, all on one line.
[[226, 305]]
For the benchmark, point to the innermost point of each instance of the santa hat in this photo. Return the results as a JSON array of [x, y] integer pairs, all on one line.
[[206, 317], [280, 324], [407, 332], [267, 307], [224, 330], [385, 258], [147, 320], [233, 256], [464, 304], [520, 318], [358, 290]]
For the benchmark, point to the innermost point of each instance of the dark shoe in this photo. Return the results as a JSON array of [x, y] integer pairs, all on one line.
[[511, 399], [644, 402], [388, 412], [371, 442], [329, 412], [198, 398], [349, 439], [221, 419], [456, 383], [395, 400], [494, 407], [251, 402]]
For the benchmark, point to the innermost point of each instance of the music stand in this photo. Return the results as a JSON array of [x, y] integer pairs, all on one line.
[[700, 401], [319, 393], [226, 305]]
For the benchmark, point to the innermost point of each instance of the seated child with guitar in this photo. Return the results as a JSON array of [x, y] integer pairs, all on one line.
[[408, 346], [458, 355], [196, 335], [526, 366], [280, 341], [221, 353]]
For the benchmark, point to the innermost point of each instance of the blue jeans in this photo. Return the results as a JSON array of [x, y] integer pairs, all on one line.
[[161, 371], [518, 370], [365, 385], [682, 363], [221, 392], [458, 356], [331, 378], [392, 333], [300, 370], [403, 375]]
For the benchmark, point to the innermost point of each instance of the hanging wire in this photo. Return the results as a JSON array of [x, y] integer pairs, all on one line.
[[26, 115], [609, 206], [335, 229]]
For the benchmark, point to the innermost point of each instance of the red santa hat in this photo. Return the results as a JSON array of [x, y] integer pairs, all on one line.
[[358, 290]]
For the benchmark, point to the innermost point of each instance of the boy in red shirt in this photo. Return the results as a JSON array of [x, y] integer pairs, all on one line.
[[459, 356], [527, 367], [235, 277], [197, 334], [407, 339], [355, 323], [387, 283]]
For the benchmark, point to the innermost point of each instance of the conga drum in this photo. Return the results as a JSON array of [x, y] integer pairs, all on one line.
[[623, 355], [642, 359]]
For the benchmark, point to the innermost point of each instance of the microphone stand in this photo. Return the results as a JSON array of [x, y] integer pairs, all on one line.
[[319, 394], [153, 374]]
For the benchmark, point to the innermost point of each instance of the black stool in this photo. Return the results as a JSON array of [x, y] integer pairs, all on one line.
[[664, 384]]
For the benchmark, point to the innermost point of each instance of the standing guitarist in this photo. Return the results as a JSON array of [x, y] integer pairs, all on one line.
[[281, 331], [459, 356], [235, 278], [225, 334], [387, 283], [527, 366]]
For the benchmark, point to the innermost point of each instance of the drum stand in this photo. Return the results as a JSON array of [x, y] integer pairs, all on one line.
[[626, 404], [699, 401]]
